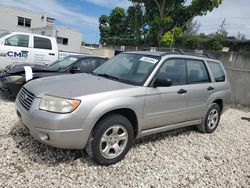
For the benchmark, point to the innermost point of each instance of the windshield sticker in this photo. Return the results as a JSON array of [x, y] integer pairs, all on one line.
[[28, 73], [149, 60]]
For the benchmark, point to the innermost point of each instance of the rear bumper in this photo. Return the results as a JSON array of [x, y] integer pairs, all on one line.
[[58, 130]]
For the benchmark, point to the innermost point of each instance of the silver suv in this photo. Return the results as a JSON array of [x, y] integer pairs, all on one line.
[[130, 96]]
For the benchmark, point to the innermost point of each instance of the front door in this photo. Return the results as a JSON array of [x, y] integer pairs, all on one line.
[[16, 50], [167, 105]]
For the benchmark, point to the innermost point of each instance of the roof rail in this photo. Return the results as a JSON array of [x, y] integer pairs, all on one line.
[[199, 53]]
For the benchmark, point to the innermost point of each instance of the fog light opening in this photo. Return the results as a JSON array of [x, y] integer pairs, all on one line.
[[44, 136]]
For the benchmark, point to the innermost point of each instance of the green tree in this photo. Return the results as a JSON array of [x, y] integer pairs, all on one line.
[[117, 20], [170, 37], [191, 42], [134, 23], [104, 29], [122, 28], [216, 42], [164, 15]]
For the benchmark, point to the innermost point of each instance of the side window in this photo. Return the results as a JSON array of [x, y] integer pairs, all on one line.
[[18, 40], [88, 65], [217, 71], [42, 43], [175, 70], [196, 72]]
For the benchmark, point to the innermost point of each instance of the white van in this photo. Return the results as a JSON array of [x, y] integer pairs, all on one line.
[[20, 47]]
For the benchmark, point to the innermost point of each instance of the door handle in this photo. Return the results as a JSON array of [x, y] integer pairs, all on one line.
[[182, 91], [210, 88], [52, 54]]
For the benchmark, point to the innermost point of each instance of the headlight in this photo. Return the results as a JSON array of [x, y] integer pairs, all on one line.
[[13, 78], [58, 105]]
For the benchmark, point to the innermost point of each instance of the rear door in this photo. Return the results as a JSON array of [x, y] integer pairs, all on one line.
[[43, 51], [199, 86], [15, 50]]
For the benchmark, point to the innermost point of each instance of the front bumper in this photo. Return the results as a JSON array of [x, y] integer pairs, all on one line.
[[10, 89], [58, 130]]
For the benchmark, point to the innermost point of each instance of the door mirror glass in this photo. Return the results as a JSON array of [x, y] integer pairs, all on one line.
[[75, 69], [162, 83]]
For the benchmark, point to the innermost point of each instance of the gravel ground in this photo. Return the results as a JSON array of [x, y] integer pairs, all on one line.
[[180, 158]]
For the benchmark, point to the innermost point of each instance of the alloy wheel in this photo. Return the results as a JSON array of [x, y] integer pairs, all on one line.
[[113, 141]]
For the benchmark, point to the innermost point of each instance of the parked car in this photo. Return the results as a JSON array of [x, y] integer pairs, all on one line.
[[20, 47], [13, 77], [132, 95]]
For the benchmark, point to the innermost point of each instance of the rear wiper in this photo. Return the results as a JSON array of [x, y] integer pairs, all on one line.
[[108, 76]]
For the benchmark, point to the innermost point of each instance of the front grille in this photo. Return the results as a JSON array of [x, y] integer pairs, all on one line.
[[26, 98]]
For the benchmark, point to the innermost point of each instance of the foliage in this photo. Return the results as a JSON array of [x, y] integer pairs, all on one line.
[[160, 23], [164, 15], [215, 42], [120, 27], [170, 37], [191, 42], [167, 39]]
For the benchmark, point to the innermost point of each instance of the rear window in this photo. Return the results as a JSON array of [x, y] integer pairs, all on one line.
[[42, 43], [217, 71]]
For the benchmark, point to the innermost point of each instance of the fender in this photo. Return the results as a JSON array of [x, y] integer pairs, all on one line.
[[134, 103]]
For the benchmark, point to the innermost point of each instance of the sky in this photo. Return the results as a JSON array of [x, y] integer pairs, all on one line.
[[83, 14]]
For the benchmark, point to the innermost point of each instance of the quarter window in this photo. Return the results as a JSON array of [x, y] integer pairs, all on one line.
[[217, 71], [42, 43], [175, 70], [196, 72], [18, 40]]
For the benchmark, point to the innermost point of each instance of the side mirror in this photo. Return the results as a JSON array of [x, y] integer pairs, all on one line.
[[75, 69], [162, 83]]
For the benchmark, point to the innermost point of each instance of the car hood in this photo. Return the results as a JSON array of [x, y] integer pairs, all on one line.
[[19, 68], [73, 86]]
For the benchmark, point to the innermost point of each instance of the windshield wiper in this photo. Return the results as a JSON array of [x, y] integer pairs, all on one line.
[[108, 76]]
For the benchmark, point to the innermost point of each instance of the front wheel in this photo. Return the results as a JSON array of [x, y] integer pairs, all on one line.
[[211, 120], [110, 140]]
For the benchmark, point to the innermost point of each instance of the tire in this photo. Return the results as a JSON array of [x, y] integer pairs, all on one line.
[[110, 140], [211, 120]]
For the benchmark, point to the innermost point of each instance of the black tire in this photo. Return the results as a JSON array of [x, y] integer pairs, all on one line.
[[94, 147], [204, 127]]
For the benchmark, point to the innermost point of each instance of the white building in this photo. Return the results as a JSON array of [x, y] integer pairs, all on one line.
[[18, 19], [67, 39]]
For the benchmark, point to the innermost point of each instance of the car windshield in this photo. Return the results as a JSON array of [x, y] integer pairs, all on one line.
[[64, 63], [128, 68], [3, 34]]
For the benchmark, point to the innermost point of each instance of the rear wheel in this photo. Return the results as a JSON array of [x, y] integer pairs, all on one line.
[[211, 120], [110, 140]]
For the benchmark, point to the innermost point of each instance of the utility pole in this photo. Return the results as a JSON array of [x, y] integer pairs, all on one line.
[[222, 27]]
